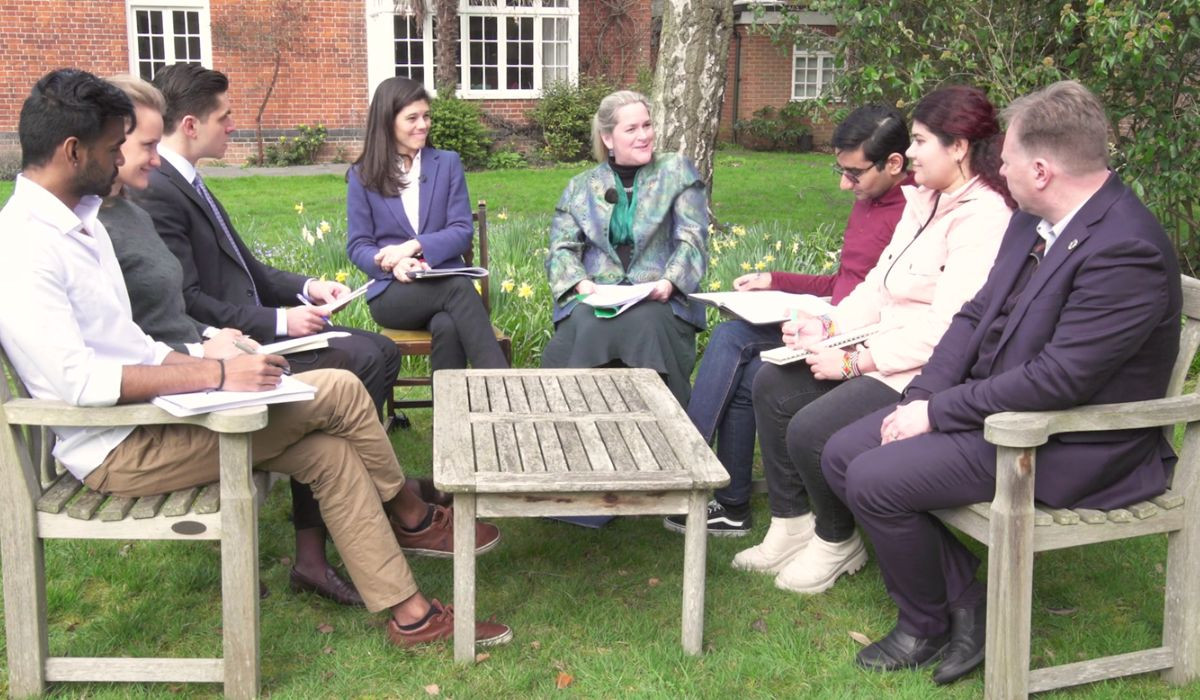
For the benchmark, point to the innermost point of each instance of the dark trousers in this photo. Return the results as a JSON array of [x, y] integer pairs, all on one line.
[[452, 311], [796, 414], [891, 489], [370, 357]]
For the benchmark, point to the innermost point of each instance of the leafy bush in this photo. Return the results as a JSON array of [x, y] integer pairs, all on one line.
[[564, 114], [786, 130], [458, 126], [10, 165], [296, 150], [1138, 56], [506, 160]]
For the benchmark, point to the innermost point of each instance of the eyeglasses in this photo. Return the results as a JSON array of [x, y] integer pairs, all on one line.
[[854, 174]]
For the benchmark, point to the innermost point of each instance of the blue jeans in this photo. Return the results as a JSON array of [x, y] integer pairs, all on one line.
[[720, 405]]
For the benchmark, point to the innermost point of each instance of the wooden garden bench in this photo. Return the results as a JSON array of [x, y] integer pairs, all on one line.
[[1014, 527], [39, 501]]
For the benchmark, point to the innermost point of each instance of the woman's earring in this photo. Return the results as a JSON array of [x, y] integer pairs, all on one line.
[[610, 153]]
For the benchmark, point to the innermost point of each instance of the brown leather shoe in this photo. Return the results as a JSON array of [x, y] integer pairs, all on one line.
[[333, 587], [441, 627], [437, 540]]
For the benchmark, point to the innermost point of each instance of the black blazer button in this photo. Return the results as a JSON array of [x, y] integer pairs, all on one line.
[[250, 293]]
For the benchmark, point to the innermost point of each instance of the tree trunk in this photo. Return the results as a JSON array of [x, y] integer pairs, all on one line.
[[445, 71], [689, 81]]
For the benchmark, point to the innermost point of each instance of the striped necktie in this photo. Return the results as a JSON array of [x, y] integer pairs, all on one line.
[[198, 183]]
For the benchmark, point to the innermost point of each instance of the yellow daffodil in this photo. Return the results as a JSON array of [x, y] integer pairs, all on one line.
[[832, 254], [324, 226], [731, 243], [746, 266], [307, 236], [503, 215], [714, 285], [341, 277], [738, 230], [828, 264], [716, 246], [795, 247], [714, 261], [778, 245], [507, 285], [711, 229], [525, 291], [768, 258], [299, 208], [760, 265]]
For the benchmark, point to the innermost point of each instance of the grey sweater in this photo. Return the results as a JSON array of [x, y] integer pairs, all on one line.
[[153, 275]]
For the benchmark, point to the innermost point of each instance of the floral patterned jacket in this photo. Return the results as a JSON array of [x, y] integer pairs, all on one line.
[[670, 232]]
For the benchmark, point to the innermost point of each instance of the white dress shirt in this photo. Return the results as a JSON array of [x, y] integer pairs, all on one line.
[[410, 196], [68, 328], [1050, 232]]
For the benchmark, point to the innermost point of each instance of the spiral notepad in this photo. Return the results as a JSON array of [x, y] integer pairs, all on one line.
[[786, 355]]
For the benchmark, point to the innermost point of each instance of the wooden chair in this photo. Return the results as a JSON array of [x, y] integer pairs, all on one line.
[[33, 494], [1014, 527], [420, 342]]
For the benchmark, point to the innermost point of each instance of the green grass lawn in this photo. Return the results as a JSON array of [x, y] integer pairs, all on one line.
[[600, 605]]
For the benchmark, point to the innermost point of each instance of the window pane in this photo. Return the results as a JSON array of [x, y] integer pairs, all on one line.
[[142, 19], [179, 22], [156, 22], [158, 49], [145, 70], [193, 22]]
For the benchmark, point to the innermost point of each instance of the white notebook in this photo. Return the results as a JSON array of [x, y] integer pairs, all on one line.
[[308, 342], [765, 306], [786, 355], [197, 402]]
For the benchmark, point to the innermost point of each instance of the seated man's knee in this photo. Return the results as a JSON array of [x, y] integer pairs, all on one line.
[[766, 381], [442, 325]]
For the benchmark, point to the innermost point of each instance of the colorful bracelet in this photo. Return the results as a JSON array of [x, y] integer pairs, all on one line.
[[850, 365]]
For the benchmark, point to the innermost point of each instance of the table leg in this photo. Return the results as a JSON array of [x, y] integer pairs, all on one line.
[[695, 543], [464, 577]]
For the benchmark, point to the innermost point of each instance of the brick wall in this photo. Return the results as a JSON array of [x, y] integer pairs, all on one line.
[[765, 79]]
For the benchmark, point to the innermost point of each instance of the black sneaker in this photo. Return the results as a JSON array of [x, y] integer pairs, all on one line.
[[721, 522]]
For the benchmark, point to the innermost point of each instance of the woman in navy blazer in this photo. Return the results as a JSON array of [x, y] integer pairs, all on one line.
[[408, 209]]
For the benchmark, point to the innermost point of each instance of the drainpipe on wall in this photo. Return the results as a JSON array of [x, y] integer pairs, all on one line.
[[737, 79]]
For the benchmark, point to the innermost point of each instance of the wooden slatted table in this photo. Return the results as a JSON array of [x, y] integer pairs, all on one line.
[[538, 442]]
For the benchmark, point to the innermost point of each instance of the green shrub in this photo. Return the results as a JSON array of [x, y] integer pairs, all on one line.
[[565, 116], [296, 150], [506, 160], [785, 130], [458, 126]]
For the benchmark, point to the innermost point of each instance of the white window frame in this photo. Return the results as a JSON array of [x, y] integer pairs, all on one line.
[[381, 45], [168, 6], [823, 80]]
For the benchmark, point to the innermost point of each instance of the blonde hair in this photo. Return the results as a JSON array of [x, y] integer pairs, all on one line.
[[605, 119], [139, 91], [1064, 120]]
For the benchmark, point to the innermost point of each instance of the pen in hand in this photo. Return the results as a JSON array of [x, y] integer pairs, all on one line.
[[250, 350]]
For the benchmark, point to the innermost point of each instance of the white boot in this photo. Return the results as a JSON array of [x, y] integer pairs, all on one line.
[[784, 539], [817, 566]]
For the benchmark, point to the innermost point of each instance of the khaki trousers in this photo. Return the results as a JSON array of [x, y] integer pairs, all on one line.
[[333, 443]]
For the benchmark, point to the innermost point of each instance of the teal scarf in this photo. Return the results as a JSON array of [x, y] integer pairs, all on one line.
[[620, 227]]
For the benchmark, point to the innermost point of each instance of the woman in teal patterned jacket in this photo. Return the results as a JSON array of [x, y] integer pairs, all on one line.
[[637, 217]]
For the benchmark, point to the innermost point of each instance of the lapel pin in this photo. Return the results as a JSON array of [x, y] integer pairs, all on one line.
[[1074, 242]]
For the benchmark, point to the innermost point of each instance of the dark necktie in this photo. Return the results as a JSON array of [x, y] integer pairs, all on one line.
[[198, 183]]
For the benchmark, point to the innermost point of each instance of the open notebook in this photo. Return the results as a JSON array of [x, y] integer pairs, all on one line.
[[765, 306]]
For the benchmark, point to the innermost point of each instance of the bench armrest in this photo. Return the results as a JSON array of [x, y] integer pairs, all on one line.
[[57, 413], [1033, 428]]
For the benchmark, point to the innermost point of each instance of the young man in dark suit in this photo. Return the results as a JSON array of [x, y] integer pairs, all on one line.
[[225, 286], [1082, 307]]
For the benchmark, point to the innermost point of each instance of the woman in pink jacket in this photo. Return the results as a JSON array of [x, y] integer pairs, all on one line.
[[938, 258]]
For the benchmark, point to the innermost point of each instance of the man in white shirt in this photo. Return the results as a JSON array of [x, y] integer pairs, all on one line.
[[61, 265]]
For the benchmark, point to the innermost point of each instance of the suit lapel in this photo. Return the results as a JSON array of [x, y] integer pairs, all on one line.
[[395, 206], [602, 180], [429, 168], [1073, 237], [177, 179]]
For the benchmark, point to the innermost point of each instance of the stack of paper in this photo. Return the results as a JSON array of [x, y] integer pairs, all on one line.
[[763, 307], [448, 272], [197, 402], [614, 299]]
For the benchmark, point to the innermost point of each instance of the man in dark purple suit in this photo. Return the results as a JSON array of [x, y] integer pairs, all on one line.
[[1082, 307]]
